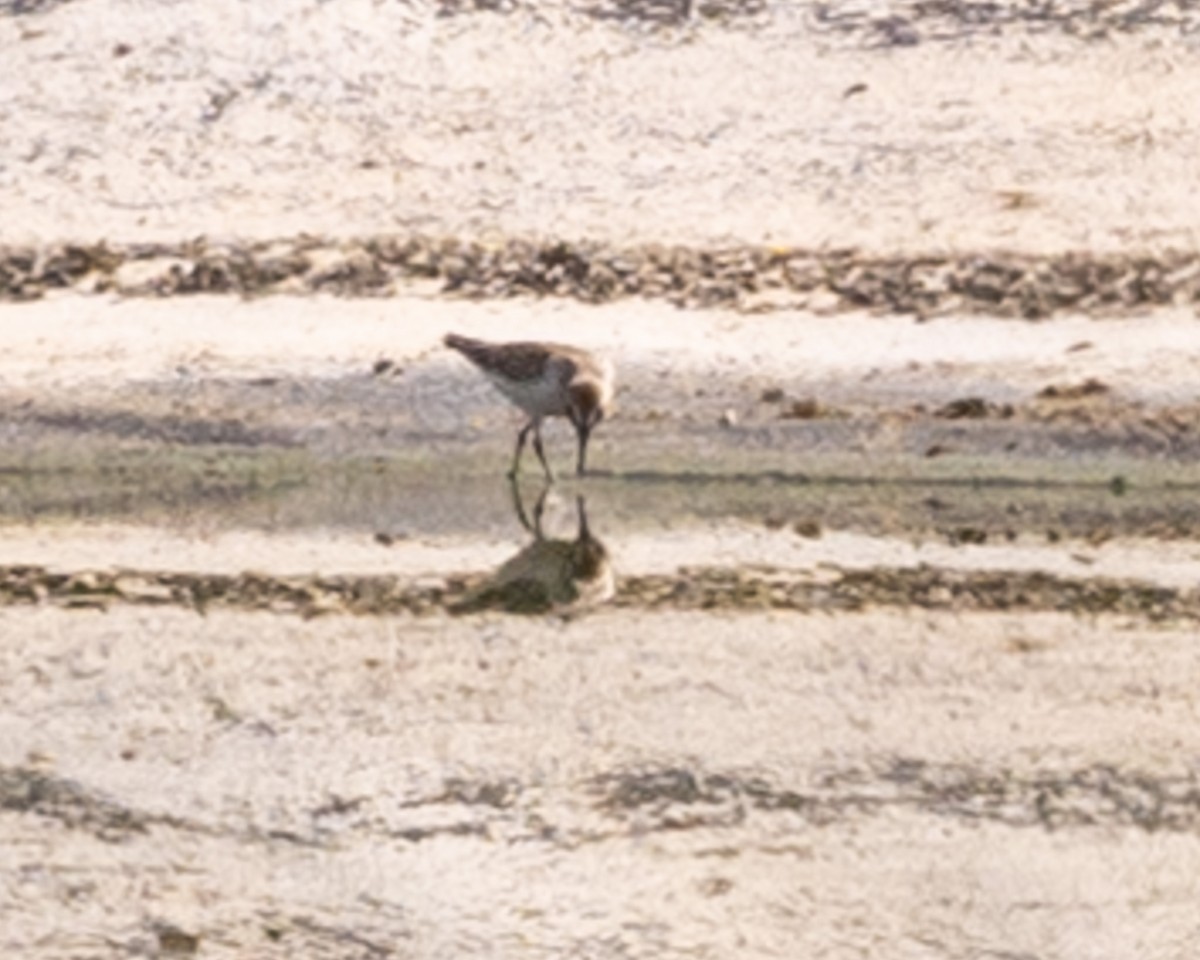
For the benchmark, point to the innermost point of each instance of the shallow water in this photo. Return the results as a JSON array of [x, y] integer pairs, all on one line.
[[293, 490]]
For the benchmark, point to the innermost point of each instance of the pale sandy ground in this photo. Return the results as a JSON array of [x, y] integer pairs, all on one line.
[[977, 787], [316, 779], [84, 347], [66, 548], [235, 119]]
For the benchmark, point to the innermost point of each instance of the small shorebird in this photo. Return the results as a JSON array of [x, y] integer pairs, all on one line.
[[545, 380], [564, 576]]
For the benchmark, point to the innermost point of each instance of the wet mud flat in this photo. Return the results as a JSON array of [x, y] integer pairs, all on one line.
[[873, 633], [626, 717], [841, 660], [830, 657]]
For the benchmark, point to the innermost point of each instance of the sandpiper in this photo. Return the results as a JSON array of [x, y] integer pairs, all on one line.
[[565, 576], [545, 380]]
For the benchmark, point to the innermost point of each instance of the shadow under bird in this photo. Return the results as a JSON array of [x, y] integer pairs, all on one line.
[[545, 380], [563, 576]]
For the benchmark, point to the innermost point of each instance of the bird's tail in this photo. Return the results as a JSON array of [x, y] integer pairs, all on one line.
[[467, 346]]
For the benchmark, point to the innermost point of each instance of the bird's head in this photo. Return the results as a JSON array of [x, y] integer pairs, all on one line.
[[587, 405]]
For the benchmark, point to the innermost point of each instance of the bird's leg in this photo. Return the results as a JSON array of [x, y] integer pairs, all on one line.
[[520, 446], [584, 432], [585, 532], [581, 430], [539, 508], [519, 506], [537, 447]]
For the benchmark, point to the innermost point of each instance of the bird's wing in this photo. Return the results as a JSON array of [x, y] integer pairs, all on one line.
[[564, 367], [513, 361], [518, 361]]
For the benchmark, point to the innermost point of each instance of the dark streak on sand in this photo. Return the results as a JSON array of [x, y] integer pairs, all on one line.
[[700, 588], [679, 798], [983, 282]]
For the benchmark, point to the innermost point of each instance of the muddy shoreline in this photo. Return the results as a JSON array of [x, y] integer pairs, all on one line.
[[718, 590], [748, 279]]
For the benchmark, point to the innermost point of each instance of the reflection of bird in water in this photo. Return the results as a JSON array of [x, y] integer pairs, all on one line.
[[548, 575], [545, 380]]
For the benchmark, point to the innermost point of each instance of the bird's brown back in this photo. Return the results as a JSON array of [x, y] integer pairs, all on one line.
[[516, 361], [524, 360]]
